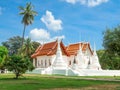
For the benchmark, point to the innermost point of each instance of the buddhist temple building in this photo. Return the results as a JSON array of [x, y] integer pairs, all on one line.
[[56, 58], [45, 54]]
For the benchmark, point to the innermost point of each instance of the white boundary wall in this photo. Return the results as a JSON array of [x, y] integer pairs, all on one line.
[[80, 72]]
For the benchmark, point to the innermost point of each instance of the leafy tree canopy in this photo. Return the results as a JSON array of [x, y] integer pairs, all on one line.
[[28, 13], [29, 47], [111, 43], [35, 46], [18, 65], [13, 44], [3, 55]]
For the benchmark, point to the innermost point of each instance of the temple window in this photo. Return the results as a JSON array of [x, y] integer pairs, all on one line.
[[35, 62], [45, 63], [49, 62], [38, 63], [74, 61], [41, 63], [69, 62]]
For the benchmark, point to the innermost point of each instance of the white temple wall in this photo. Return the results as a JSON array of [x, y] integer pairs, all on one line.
[[71, 60], [43, 61], [46, 61], [88, 56], [53, 59], [66, 59], [86, 59], [87, 52]]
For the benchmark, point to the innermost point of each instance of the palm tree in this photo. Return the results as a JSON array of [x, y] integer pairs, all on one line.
[[27, 48], [28, 16]]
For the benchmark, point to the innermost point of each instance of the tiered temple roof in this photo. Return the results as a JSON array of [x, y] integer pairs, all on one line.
[[72, 49], [49, 49]]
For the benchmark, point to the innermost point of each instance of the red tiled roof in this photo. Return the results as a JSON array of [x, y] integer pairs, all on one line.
[[49, 49], [73, 48]]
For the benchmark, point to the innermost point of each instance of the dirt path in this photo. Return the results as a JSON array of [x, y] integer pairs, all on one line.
[[96, 87], [81, 78]]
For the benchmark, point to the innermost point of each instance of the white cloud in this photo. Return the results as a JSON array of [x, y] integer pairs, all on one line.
[[39, 35], [71, 1], [50, 22], [0, 10], [90, 3], [42, 36], [93, 3], [60, 37], [76, 1]]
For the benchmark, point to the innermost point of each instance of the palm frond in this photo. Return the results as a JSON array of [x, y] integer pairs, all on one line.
[[21, 8], [28, 15]]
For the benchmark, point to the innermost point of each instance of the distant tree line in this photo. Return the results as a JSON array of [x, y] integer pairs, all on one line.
[[13, 45], [110, 55]]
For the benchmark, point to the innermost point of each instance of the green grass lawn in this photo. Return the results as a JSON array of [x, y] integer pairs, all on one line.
[[40, 82]]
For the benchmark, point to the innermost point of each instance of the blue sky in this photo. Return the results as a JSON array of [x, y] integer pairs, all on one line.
[[73, 20]]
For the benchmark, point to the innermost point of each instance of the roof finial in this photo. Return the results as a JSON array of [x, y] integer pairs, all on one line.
[[94, 48], [80, 37], [80, 44], [80, 48]]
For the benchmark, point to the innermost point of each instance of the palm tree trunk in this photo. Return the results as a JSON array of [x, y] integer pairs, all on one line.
[[23, 34]]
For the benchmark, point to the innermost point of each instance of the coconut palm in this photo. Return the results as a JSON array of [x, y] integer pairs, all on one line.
[[28, 16], [27, 48]]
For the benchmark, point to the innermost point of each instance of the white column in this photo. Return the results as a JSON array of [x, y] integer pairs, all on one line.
[[40, 62], [47, 62]]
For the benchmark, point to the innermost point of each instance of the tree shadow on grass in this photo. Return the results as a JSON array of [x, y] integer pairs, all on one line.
[[11, 77]]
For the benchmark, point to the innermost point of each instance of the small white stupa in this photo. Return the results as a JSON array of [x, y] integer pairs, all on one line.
[[59, 62], [80, 58], [94, 64]]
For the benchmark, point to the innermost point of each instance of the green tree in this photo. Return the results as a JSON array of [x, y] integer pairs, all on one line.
[[35, 46], [3, 56], [111, 43], [28, 16], [18, 65], [13, 44], [27, 48], [104, 59]]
